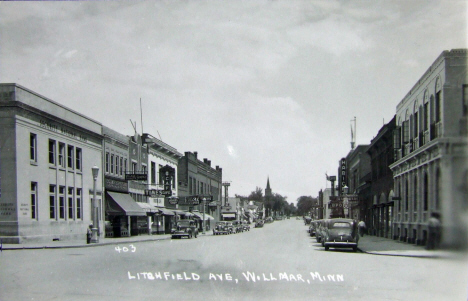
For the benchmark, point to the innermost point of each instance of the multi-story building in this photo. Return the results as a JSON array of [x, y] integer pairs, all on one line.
[[430, 170], [121, 210], [379, 207], [47, 152], [161, 157], [196, 179]]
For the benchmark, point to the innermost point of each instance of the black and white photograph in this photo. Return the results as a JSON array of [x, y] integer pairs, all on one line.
[[234, 150]]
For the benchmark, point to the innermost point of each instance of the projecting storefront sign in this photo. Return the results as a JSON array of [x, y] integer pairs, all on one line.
[[156, 192], [136, 176]]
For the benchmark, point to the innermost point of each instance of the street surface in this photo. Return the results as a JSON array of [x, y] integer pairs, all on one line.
[[277, 262]]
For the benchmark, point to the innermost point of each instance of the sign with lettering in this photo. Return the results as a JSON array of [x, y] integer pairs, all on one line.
[[173, 201], [136, 176], [48, 125], [156, 192], [343, 174], [115, 185]]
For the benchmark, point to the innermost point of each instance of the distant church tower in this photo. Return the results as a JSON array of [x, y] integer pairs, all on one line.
[[268, 189]]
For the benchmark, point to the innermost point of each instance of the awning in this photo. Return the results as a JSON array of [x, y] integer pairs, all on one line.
[[147, 207], [233, 215], [180, 212], [165, 211], [200, 216], [122, 203]]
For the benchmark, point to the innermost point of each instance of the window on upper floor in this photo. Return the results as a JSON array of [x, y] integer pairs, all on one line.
[[33, 147], [70, 156], [107, 162], [61, 154], [52, 151], [438, 112], [78, 158]]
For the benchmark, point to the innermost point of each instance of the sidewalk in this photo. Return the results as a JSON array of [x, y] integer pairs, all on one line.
[[83, 244], [384, 246]]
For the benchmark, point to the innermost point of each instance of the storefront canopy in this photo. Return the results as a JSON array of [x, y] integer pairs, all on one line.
[[147, 207], [165, 211], [124, 205], [229, 215], [200, 216], [184, 213]]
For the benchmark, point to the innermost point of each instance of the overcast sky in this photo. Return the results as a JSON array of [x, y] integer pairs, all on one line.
[[260, 88]]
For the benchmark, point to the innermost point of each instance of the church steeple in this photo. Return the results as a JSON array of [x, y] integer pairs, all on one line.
[[268, 189]]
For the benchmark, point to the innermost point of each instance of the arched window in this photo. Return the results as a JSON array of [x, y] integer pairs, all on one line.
[[438, 101]]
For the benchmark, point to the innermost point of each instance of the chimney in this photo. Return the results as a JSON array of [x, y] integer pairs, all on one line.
[[195, 154]]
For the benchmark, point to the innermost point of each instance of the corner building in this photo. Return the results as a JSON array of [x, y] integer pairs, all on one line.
[[46, 155], [430, 170]]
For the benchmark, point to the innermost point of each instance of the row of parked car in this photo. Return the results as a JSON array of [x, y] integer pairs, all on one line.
[[335, 233], [230, 227]]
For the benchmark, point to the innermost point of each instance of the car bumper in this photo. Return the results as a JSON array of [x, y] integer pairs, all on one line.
[[340, 244]]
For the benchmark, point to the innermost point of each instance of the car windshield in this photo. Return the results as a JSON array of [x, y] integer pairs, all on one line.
[[341, 225]]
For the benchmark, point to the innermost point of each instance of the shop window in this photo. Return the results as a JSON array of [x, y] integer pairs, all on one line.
[[51, 151], [33, 147], [52, 201], [33, 200]]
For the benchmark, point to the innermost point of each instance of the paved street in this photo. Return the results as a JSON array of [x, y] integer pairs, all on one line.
[[277, 262]]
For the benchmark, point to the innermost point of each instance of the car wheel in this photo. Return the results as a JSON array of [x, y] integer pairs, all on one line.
[[355, 249], [189, 236], [195, 234], [172, 236], [327, 248]]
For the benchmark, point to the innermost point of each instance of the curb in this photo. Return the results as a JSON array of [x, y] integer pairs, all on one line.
[[107, 243]]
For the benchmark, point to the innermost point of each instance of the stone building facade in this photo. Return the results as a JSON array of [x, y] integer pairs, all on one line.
[[47, 152], [430, 170]]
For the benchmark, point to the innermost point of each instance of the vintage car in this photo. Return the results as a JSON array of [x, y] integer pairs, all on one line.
[[259, 223], [269, 220], [230, 226], [237, 227], [312, 227], [246, 226], [221, 228], [186, 228], [340, 233], [307, 220], [319, 226]]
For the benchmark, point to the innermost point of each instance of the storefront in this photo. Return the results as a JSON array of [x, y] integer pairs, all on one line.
[[123, 214]]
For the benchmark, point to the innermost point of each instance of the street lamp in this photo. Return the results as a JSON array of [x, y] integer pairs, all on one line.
[[95, 229]]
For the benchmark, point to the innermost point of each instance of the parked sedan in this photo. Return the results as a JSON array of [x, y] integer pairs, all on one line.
[[341, 233], [259, 223], [221, 228], [185, 228], [237, 227]]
